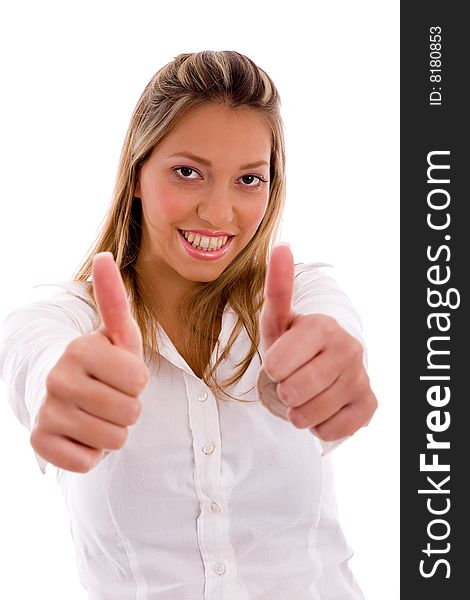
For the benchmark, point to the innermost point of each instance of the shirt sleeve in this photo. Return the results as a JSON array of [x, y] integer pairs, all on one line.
[[32, 339]]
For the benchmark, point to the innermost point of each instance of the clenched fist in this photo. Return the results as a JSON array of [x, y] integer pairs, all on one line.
[[318, 366], [92, 391]]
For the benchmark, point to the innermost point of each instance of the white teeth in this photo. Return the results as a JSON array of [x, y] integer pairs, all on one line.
[[204, 242]]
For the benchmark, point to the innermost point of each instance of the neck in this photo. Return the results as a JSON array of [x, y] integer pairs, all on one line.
[[162, 288]]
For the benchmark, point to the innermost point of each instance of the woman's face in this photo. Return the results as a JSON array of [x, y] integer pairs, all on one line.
[[217, 196]]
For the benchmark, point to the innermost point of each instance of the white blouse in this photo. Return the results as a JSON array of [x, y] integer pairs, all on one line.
[[209, 499]]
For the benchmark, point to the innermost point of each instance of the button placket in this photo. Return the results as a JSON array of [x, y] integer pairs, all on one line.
[[212, 523]]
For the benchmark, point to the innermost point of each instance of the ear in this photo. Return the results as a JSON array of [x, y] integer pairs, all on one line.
[[137, 192]]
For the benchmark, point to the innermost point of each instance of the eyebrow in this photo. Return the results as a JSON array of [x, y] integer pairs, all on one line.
[[209, 164]]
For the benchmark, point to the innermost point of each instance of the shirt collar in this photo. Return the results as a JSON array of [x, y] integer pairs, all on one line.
[[168, 350], [166, 346]]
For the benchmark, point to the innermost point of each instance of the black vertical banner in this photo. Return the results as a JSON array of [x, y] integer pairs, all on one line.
[[435, 318]]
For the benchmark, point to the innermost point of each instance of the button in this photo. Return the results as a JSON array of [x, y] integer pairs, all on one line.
[[208, 448], [203, 397], [215, 507], [219, 568]]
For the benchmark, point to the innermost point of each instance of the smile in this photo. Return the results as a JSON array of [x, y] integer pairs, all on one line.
[[205, 247]]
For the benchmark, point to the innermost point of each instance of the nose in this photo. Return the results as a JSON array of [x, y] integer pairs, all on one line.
[[216, 207]]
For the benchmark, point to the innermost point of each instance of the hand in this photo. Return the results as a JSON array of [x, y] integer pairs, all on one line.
[[92, 391], [319, 366]]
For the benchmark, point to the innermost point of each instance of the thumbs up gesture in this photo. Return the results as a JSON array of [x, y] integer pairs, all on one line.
[[92, 391], [317, 366]]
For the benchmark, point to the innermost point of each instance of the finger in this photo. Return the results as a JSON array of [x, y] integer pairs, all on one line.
[[104, 402], [67, 454], [309, 337], [110, 294], [321, 408], [310, 380], [88, 430], [297, 346], [114, 366], [277, 309], [337, 401], [346, 421]]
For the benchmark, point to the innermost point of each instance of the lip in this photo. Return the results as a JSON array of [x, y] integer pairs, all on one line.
[[204, 254]]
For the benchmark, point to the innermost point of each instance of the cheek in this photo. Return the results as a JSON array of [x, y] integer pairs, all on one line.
[[165, 206], [253, 215]]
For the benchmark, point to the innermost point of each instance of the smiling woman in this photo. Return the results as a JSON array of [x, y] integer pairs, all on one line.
[[205, 124], [140, 379], [209, 200]]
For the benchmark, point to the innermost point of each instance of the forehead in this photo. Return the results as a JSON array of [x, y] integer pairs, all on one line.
[[211, 128]]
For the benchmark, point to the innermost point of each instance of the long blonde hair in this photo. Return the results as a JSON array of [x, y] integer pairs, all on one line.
[[191, 79]]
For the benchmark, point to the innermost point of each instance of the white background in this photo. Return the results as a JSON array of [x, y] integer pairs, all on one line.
[[71, 75]]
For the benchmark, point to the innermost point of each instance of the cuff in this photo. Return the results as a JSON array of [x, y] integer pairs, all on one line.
[[42, 462]]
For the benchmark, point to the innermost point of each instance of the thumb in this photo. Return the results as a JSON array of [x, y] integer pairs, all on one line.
[[277, 312], [110, 294]]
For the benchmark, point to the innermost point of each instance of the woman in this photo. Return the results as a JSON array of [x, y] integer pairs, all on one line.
[[148, 387]]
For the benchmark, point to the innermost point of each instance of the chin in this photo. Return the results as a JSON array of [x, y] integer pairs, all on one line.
[[204, 278], [203, 275]]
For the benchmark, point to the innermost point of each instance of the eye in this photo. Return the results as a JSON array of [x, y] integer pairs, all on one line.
[[259, 179], [256, 180], [183, 170]]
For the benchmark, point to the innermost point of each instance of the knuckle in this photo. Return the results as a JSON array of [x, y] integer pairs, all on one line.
[[83, 462], [36, 440], [147, 373], [56, 381], [353, 349], [325, 433], [360, 382], [140, 375], [328, 325], [371, 406], [117, 439], [364, 394], [315, 372], [47, 416], [77, 349], [133, 411], [144, 376], [356, 348], [339, 430], [375, 403], [47, 446]]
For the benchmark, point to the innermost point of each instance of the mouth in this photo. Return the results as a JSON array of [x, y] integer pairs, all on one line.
[[205, 247]]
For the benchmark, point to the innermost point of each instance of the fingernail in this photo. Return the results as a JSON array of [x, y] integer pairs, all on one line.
[[282, 244], [98, 254]]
